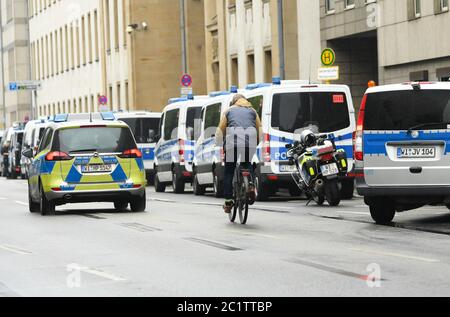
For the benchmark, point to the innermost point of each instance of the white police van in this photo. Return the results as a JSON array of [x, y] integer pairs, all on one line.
[[288, 107], [209, 157], [174, 152], [145, 127]]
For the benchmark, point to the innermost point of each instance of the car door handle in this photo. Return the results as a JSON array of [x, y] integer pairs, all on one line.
[[416, 170]]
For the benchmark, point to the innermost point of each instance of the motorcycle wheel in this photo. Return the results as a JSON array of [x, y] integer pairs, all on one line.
[[332, 192]]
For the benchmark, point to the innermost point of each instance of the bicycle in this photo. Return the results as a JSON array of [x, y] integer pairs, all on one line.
[[241, 190]]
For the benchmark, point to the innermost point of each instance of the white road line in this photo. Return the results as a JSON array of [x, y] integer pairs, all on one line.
[[274, 207], [397, 255], [102, 274], [253, 234], [14, 250], [3, 198], [21, 203], [353, 212]]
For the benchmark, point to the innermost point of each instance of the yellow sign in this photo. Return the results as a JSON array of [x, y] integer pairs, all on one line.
[[328, 57]]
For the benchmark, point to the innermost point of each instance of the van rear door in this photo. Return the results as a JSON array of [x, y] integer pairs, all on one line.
[[407, 137]]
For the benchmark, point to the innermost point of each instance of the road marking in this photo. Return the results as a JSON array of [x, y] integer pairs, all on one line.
[[353, 212], [213, 244], [397, 255], [253, 234], [102, 274], [93, 216], [330, 269], [140, 227], [2, 198], [14, 250], [21, 203]]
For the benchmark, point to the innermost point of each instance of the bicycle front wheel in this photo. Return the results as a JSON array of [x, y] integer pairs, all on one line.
[[243, 204]]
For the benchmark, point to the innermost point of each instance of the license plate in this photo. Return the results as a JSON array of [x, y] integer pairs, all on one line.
[[96, 169], [330, 169], [287, 168], [416, 152]]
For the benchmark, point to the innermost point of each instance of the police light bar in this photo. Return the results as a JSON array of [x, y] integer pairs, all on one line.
[[276, 80], [60, 118], [219, 93], [234, 89], [256, 86], [108, 116]]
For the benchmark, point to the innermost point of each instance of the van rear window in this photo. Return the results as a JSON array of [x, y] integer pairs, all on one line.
[[326, 111], [402, 110]]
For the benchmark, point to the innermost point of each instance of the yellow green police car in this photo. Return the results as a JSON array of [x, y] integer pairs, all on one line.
[[87, 161]]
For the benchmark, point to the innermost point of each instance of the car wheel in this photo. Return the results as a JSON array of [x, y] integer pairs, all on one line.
[[218, 186], [382, 211], [294, 191], [177, 183], [263, 190], [139, 204], [34, 207], [199, 190], [46, 206], [159, 187], [120, 206]]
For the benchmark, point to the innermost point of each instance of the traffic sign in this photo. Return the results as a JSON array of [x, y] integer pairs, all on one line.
[[186, 91], [25, 85], [328, 73], [102, 100], [186, 80], [328, 57]]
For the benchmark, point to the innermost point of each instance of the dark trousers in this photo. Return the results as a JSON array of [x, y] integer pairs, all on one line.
[[230, 168]]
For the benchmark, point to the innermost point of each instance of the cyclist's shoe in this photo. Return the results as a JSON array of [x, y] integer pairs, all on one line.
[[251, 195], [228, 206]]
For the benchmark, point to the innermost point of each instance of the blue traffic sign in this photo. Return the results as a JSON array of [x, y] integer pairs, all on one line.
[[13, 86]]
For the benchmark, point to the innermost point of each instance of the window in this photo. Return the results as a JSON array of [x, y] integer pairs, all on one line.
[[144, 129], [234, 71], [193, 122], [268, 66], [444, 5], [330, 6], [257, 104], [349, 4], [322, 112], [89, 28], [212, 116], [83, 39], [251, 68], [417, 8], [119, 97], [96, 43], [116, 24], [108, 27], [171, 124]]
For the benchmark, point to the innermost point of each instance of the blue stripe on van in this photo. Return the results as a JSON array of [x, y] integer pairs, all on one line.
[[375, 143]]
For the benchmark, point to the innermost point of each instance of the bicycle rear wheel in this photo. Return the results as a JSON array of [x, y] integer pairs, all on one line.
[[233, 214]]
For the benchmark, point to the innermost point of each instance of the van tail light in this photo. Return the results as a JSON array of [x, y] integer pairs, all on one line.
[[326, 157], [130, 154], [358, 138], [266, 149], [58, 156], [181, 150]]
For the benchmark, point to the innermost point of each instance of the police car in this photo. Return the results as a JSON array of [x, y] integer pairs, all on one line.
[[287, 108], [402, 148], [145, 127], [86, 161], [209, 158], [174, 152]]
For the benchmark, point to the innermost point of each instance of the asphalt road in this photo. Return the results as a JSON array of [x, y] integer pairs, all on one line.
[[184, 246]]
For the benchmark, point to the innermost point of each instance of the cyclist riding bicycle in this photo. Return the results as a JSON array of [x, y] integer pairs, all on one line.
[[239, 131]]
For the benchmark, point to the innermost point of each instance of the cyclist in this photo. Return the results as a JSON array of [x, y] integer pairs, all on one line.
[[239, 131]]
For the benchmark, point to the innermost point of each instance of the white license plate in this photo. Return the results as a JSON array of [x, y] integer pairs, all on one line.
[[96, 169], [330, 169], [288, 168], [416, 152]]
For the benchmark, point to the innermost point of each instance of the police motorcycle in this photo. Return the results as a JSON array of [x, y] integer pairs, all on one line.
[[319, 166]]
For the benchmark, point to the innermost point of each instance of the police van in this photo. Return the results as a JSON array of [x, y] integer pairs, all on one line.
[[174, 152], [402, 148], [145, 127], [209, 157], [287, 108]]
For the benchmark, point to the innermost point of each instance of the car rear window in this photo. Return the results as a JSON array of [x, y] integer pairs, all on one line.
[[94, 139], [402, 110], [326, 111], [193, 118], [141, 128]]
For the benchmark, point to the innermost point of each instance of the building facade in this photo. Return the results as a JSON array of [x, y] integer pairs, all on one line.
[[127, 50], [16, 61], [388, 41], [243, 41]]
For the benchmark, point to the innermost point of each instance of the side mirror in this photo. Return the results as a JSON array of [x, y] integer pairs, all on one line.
[[28, 153]]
